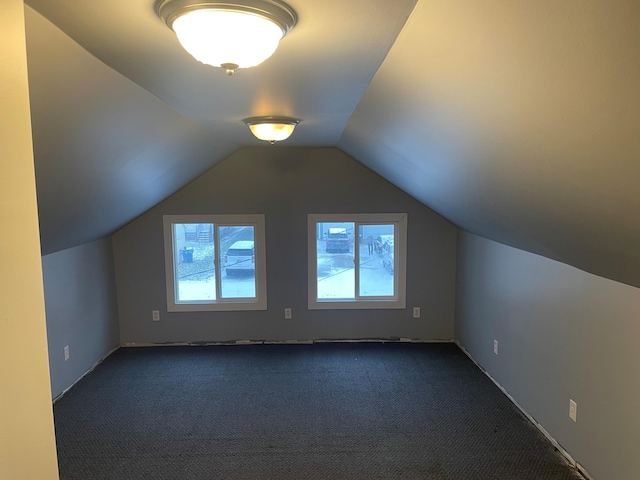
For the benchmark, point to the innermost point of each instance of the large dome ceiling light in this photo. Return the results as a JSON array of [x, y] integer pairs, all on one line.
[[271, 128], [231, 34]]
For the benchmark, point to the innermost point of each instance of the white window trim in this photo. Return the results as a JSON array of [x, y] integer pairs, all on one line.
[[220, 304], [400, 261]]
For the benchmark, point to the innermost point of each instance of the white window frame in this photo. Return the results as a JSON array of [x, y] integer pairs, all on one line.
[[396, 301], [220, 304]]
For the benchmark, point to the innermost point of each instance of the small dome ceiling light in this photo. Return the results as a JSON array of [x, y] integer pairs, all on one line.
[[229, 34], [271, 129]]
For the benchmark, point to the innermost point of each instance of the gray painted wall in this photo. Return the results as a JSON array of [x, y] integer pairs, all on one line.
[[286, 184], [563, 333], [80, 301]]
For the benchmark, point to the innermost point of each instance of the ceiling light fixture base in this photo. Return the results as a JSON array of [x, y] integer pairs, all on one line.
[[278, 12]]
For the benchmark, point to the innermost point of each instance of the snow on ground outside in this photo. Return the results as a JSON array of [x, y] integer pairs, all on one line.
[[336, 278]]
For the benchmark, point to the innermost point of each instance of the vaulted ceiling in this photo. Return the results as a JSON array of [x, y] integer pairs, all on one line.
[[517, 121]]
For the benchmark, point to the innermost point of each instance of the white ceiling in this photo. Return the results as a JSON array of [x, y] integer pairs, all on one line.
[[518, 121]]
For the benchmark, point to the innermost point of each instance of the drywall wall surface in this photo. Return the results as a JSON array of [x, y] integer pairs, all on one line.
[[82, 313], [286, 184], [106, 149], [562, 334], [27, 441]]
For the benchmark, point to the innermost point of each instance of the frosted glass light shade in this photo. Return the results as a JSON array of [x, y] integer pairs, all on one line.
[[271, 129], [228, 33], [216, 37]]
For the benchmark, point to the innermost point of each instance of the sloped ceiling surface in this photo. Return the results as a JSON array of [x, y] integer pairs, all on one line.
[[517, 121], [123, 116], [105, 149]]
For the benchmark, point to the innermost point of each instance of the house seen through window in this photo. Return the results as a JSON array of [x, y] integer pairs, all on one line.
[[215, 262]]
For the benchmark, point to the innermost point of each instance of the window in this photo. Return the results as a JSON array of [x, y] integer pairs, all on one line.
[[357, 260], [215, 262]]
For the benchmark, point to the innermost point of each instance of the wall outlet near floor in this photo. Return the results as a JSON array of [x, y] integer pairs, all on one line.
[[416, 312], [495, 347], [66, 353], [287, 313], [155, 314], [573, 410]]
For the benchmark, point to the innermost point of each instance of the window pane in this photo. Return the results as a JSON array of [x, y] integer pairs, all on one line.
[[237, 245], [197, 273], [376, 266], [193, 262], [335, 267]]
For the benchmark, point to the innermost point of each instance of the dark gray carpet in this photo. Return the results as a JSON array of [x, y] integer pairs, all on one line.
[[321, 411]]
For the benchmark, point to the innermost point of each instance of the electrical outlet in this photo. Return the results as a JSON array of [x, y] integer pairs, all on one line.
[[155, 314], [495, 347], [573, 410], [287, 313], [416, 312], [66, 353]]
